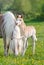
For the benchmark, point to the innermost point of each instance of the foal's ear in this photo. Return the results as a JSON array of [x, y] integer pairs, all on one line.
[[19, 16]]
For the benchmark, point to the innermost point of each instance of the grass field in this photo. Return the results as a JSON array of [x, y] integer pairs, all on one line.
[[28, 58]]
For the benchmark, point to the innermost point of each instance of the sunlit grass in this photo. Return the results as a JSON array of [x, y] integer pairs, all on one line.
[[28, 58]]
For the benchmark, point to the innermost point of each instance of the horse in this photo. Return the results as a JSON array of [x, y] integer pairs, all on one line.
[[27, 31], [16, 44], [7, 26]]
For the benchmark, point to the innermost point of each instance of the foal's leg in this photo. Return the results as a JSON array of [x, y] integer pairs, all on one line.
[[25, 46], [33, 45]]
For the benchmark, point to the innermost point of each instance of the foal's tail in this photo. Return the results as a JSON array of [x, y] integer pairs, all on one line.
[[36, 39]]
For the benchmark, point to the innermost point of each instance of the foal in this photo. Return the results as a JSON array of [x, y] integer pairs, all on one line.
[[27, 31]]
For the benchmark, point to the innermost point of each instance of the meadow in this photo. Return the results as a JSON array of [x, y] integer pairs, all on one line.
[[28, 58]]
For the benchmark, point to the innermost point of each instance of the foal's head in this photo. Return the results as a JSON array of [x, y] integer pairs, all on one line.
[[19, 20]]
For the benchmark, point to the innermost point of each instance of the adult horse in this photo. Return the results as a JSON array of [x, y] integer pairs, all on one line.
[[16, 44], [7, 27]]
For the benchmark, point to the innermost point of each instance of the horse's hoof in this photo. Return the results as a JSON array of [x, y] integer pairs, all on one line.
[[5, 54]]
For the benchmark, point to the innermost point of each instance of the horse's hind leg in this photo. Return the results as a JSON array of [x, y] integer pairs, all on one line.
[[33, 45]]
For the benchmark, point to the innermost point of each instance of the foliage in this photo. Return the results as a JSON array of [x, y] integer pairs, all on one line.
[[28, 7]]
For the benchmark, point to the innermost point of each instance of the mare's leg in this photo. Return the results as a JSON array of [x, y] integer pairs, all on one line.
[[21, 46], [6, 46], [16, 47], [4, 40]]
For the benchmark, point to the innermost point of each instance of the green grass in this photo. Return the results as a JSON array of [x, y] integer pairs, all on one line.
[[28, 58]]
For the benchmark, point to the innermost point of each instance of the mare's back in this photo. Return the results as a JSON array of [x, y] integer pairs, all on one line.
[[9, 21]]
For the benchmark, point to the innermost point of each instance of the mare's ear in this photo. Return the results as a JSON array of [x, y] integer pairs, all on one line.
[[17, 16]]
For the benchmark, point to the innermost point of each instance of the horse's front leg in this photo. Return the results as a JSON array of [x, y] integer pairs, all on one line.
[[6, 46], [4, 40], [16, 47], [25, 46]]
